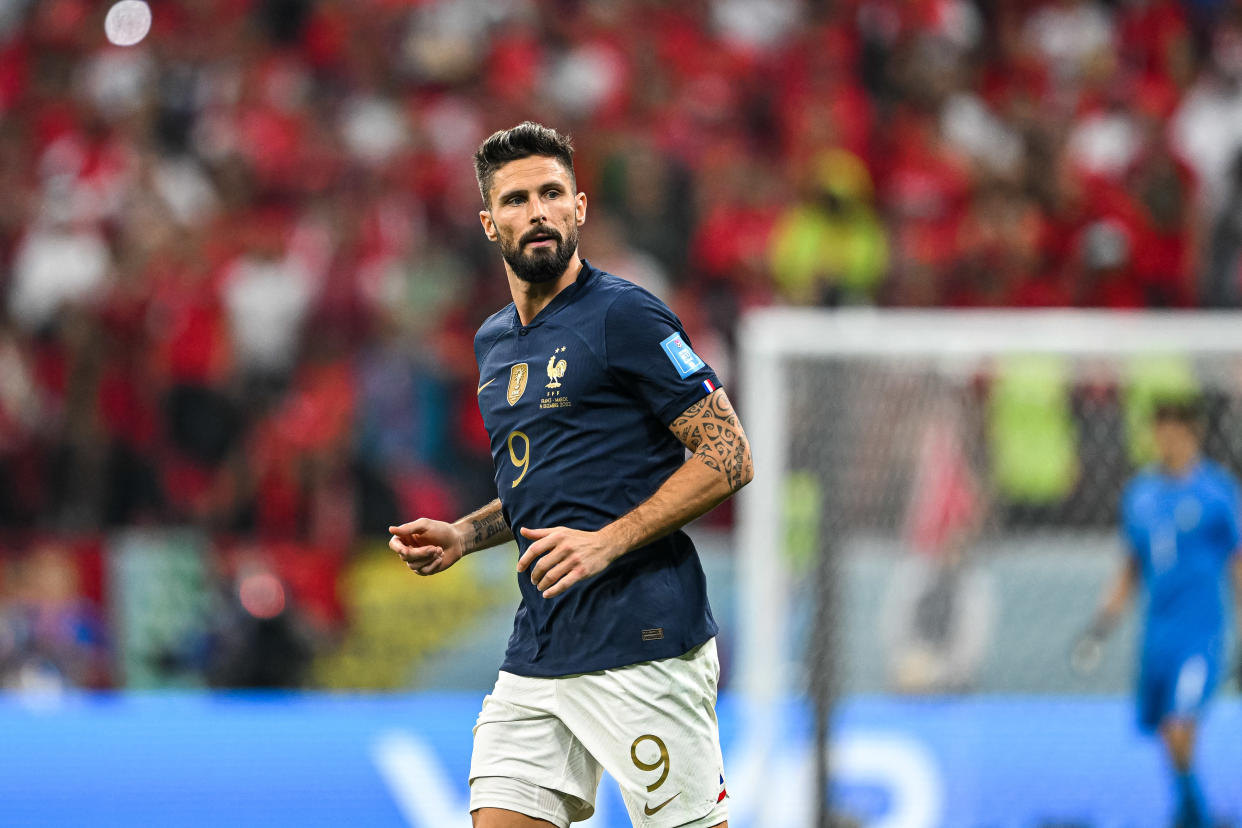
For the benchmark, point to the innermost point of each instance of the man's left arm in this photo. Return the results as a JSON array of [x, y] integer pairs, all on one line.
[[719, 465]]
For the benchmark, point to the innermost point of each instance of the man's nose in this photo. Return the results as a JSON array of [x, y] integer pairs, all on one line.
[[535, 211]]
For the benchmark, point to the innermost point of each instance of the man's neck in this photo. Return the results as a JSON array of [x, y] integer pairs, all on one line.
[[532, 297], [1181, 466]]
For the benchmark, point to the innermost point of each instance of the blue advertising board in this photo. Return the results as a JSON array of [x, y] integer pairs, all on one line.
[[315, 759]]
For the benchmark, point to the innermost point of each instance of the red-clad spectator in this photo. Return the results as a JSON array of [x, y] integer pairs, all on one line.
[[1165, 258], [1154, 39], [819, 99], [517, 59], [924, 191], [1105, 275], [999, 254]]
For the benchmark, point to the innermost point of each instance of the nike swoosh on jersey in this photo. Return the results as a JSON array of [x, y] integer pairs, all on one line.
[[648, 810], [484, 385]]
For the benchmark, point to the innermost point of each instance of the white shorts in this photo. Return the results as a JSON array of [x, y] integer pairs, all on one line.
[[541, 744]]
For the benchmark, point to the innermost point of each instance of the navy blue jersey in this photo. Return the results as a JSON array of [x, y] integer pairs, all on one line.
[[577, 405], [1182, 531]]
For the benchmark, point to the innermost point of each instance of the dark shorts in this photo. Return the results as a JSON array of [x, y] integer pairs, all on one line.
[[1174, 686]]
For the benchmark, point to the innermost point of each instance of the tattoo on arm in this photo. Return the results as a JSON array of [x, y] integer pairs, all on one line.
[[485, 527], [711, 430]]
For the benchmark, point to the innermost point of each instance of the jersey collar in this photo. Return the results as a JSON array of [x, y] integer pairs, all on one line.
[[1190, 473], [586, 274]]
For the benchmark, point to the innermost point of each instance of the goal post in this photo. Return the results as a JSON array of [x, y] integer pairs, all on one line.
[[891, 445]]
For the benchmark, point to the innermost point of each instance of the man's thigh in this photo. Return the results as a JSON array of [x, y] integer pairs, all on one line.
[[653, 728], [1174, 687], [1153, 696], [504, 818], [1193, 685], [526, 760]]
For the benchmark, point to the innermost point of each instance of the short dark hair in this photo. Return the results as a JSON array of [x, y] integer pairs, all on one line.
[[1182, 408], [522, 141]]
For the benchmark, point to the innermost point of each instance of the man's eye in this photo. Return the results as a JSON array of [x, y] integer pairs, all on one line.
[[514, 200], [552, 193]]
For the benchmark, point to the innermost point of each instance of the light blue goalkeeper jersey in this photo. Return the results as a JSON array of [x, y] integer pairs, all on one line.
[[1183, 531]]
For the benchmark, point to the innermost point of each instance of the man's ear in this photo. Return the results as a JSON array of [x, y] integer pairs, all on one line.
[[580, 205], [489, 226]]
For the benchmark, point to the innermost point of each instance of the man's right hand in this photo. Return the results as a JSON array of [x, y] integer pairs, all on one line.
[[1087, 652], [427, 546]]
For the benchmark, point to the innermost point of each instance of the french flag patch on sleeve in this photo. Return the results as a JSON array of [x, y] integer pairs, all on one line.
[[709, 386], [723, 792]]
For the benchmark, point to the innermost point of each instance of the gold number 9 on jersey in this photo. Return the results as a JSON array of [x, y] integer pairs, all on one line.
[[522, 462], [660, 762]]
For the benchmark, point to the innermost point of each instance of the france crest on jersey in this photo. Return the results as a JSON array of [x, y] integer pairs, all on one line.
[[577, 406]]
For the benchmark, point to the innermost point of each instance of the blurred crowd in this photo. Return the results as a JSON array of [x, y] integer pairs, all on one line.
[[241, 266]]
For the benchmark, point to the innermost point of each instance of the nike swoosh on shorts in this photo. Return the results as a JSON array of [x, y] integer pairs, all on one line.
[[648, 810]]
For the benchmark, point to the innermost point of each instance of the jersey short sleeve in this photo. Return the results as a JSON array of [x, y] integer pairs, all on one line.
[[649, 353]]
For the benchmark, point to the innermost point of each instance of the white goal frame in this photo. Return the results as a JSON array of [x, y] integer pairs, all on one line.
[[770, 336]]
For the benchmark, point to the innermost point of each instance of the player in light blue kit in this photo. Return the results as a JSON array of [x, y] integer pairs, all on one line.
[[1179, 520]]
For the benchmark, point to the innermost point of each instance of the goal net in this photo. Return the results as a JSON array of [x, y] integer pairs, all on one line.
[[932, 520]]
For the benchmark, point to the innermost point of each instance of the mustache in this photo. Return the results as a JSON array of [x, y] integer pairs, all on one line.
[[540, 234]]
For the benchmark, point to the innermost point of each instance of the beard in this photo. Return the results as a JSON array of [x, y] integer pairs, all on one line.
[[543, 264]]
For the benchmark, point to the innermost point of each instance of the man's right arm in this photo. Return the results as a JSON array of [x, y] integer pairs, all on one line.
[[1088, 646], [485, 527], [1117, 594], [430, 546], [1116, 597]]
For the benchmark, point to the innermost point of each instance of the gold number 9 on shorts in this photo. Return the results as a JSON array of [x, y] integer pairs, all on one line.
[[522, 462], [660, 763]]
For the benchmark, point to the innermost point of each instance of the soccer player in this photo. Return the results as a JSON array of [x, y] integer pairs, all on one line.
[[592, 395], [1180, 523]]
